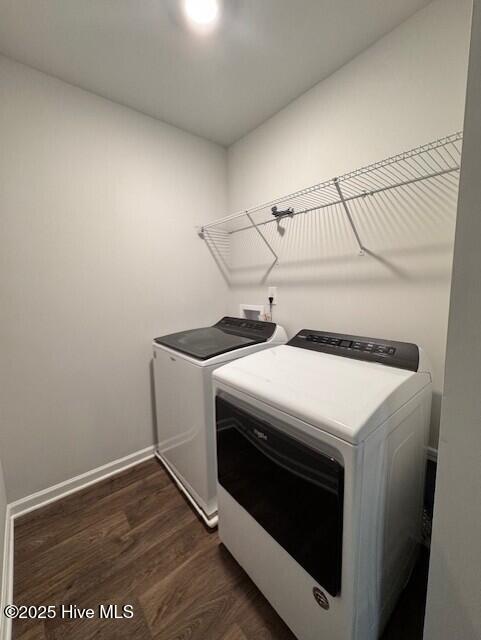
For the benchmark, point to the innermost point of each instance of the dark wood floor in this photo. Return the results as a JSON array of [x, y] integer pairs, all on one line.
[[132, 539]]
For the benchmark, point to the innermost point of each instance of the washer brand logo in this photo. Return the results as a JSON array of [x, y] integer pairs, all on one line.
[[321, 598], [260, 434]]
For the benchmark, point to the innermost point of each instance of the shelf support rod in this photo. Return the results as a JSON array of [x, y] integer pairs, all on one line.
[[349, 216], [266, 242]]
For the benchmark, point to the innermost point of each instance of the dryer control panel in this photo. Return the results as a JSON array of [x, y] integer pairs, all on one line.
[[403, 355]]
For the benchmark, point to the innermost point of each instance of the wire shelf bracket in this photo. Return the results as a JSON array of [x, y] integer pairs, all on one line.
[[265, 240], [438, 159], [349, 216]]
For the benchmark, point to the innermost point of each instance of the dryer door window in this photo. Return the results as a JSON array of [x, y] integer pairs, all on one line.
[[293, 491]]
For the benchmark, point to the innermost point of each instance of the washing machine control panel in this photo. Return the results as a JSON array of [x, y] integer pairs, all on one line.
[[403, 355], [248, 327]]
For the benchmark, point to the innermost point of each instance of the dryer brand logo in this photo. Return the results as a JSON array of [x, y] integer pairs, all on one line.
[[321, 598], [259, 434]]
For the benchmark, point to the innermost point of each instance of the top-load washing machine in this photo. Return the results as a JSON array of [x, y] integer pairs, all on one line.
[[183, 365], [321, 462]]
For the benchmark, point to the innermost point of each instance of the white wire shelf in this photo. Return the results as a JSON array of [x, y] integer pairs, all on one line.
[[436, 159]]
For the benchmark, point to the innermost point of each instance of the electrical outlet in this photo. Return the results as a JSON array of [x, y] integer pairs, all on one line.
[[272, 293]]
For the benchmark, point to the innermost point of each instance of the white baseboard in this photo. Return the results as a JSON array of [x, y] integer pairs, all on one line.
[[432, 454], [41, 499], [63, 489], [6, 594]]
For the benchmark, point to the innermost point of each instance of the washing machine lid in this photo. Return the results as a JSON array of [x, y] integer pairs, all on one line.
[[226, 335], [343, 396]]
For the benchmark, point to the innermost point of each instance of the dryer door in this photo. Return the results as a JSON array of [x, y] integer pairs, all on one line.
[[294, 491]]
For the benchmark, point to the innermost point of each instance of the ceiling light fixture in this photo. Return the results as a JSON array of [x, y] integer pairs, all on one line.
[[203, 13]]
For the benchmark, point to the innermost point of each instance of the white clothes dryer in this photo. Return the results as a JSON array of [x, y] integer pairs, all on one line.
[[321, 463]]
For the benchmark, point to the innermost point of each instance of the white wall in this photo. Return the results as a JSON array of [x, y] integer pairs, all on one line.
[[407, 89], [98, 255], [453, 609]]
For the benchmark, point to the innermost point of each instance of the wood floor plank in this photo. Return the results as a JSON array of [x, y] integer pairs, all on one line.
[[132, 573], [84, 498], [76, 567], [56, 572], [180, 603], [254, 615], [63, 561], [134, 628], [234, 633], [35, 632], [259, 620], [33, 535], [112, 567], [133, 539], [147, 505]]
